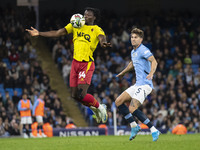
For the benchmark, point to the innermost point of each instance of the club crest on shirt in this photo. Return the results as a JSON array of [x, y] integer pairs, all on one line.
[[134, 55]]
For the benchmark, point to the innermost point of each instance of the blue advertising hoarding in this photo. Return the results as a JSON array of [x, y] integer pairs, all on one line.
[[92, 131], [95, 131]]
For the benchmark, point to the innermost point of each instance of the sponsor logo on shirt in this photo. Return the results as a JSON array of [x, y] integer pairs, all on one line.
[[147, 51], [86, 36]]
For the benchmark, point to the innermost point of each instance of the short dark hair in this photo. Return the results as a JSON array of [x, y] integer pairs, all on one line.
[[42, 92], [25, 93], [96, 12], [137, 31]]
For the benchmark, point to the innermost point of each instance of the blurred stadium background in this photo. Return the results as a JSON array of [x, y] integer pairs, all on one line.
[[172, 32]]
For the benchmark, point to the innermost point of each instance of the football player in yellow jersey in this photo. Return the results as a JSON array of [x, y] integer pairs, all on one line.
[[85, 41]]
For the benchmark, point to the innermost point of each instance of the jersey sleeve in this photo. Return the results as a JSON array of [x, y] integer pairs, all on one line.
[[34, 106], [20, 107], [31, 106], [146, 53], [69, 28], [99, 31]]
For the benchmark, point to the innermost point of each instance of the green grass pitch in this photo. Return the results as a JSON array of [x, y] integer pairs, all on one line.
[[141, 142]]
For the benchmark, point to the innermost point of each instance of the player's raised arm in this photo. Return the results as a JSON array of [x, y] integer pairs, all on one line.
[[55, 33], [103, 41], [153, 67], [127, 69]]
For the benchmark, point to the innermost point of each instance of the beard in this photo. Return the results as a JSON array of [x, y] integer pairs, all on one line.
[[135, 45]]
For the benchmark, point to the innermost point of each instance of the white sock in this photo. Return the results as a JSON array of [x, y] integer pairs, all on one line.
[[133, 124], [153, 129]]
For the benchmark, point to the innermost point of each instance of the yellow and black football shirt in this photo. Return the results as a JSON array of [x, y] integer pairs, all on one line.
[[85, 40]]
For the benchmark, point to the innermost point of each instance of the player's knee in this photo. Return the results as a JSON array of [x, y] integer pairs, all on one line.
[[118, 102], [132, 109], [79, 94]]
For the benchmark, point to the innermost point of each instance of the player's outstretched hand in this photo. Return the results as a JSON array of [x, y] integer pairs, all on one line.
[[105, 44], [33, 31]]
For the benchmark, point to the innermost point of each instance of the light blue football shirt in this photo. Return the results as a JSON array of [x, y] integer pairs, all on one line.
[[141, 65]]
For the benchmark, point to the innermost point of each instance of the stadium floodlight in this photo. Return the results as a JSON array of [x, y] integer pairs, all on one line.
[[31, 3], [27, 2]]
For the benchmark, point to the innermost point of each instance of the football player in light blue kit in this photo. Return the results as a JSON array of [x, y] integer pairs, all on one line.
[[144, 64]]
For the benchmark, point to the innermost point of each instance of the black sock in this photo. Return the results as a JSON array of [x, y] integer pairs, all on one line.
[[40, 127], [125, 112], [142, 117], [30, 129], [24, 128]]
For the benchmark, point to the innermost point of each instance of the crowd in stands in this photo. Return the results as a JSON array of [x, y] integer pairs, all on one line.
[[173, 38], [21, 72]]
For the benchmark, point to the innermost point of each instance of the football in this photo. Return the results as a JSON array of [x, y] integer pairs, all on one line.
[[77, 20]]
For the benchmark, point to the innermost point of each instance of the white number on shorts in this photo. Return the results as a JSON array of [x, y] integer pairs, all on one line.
[[82, 74]]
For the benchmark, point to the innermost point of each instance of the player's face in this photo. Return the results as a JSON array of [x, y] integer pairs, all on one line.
[[135, 40], [89, 17], [24, 96], [42, 96]]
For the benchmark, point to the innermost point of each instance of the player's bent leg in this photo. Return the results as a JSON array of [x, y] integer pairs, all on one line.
[[143, 118], [78, 95], [124, 97], [124, 110], [74, 93], [84, 97], [88, 100], [134, 130], [134, 106]]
